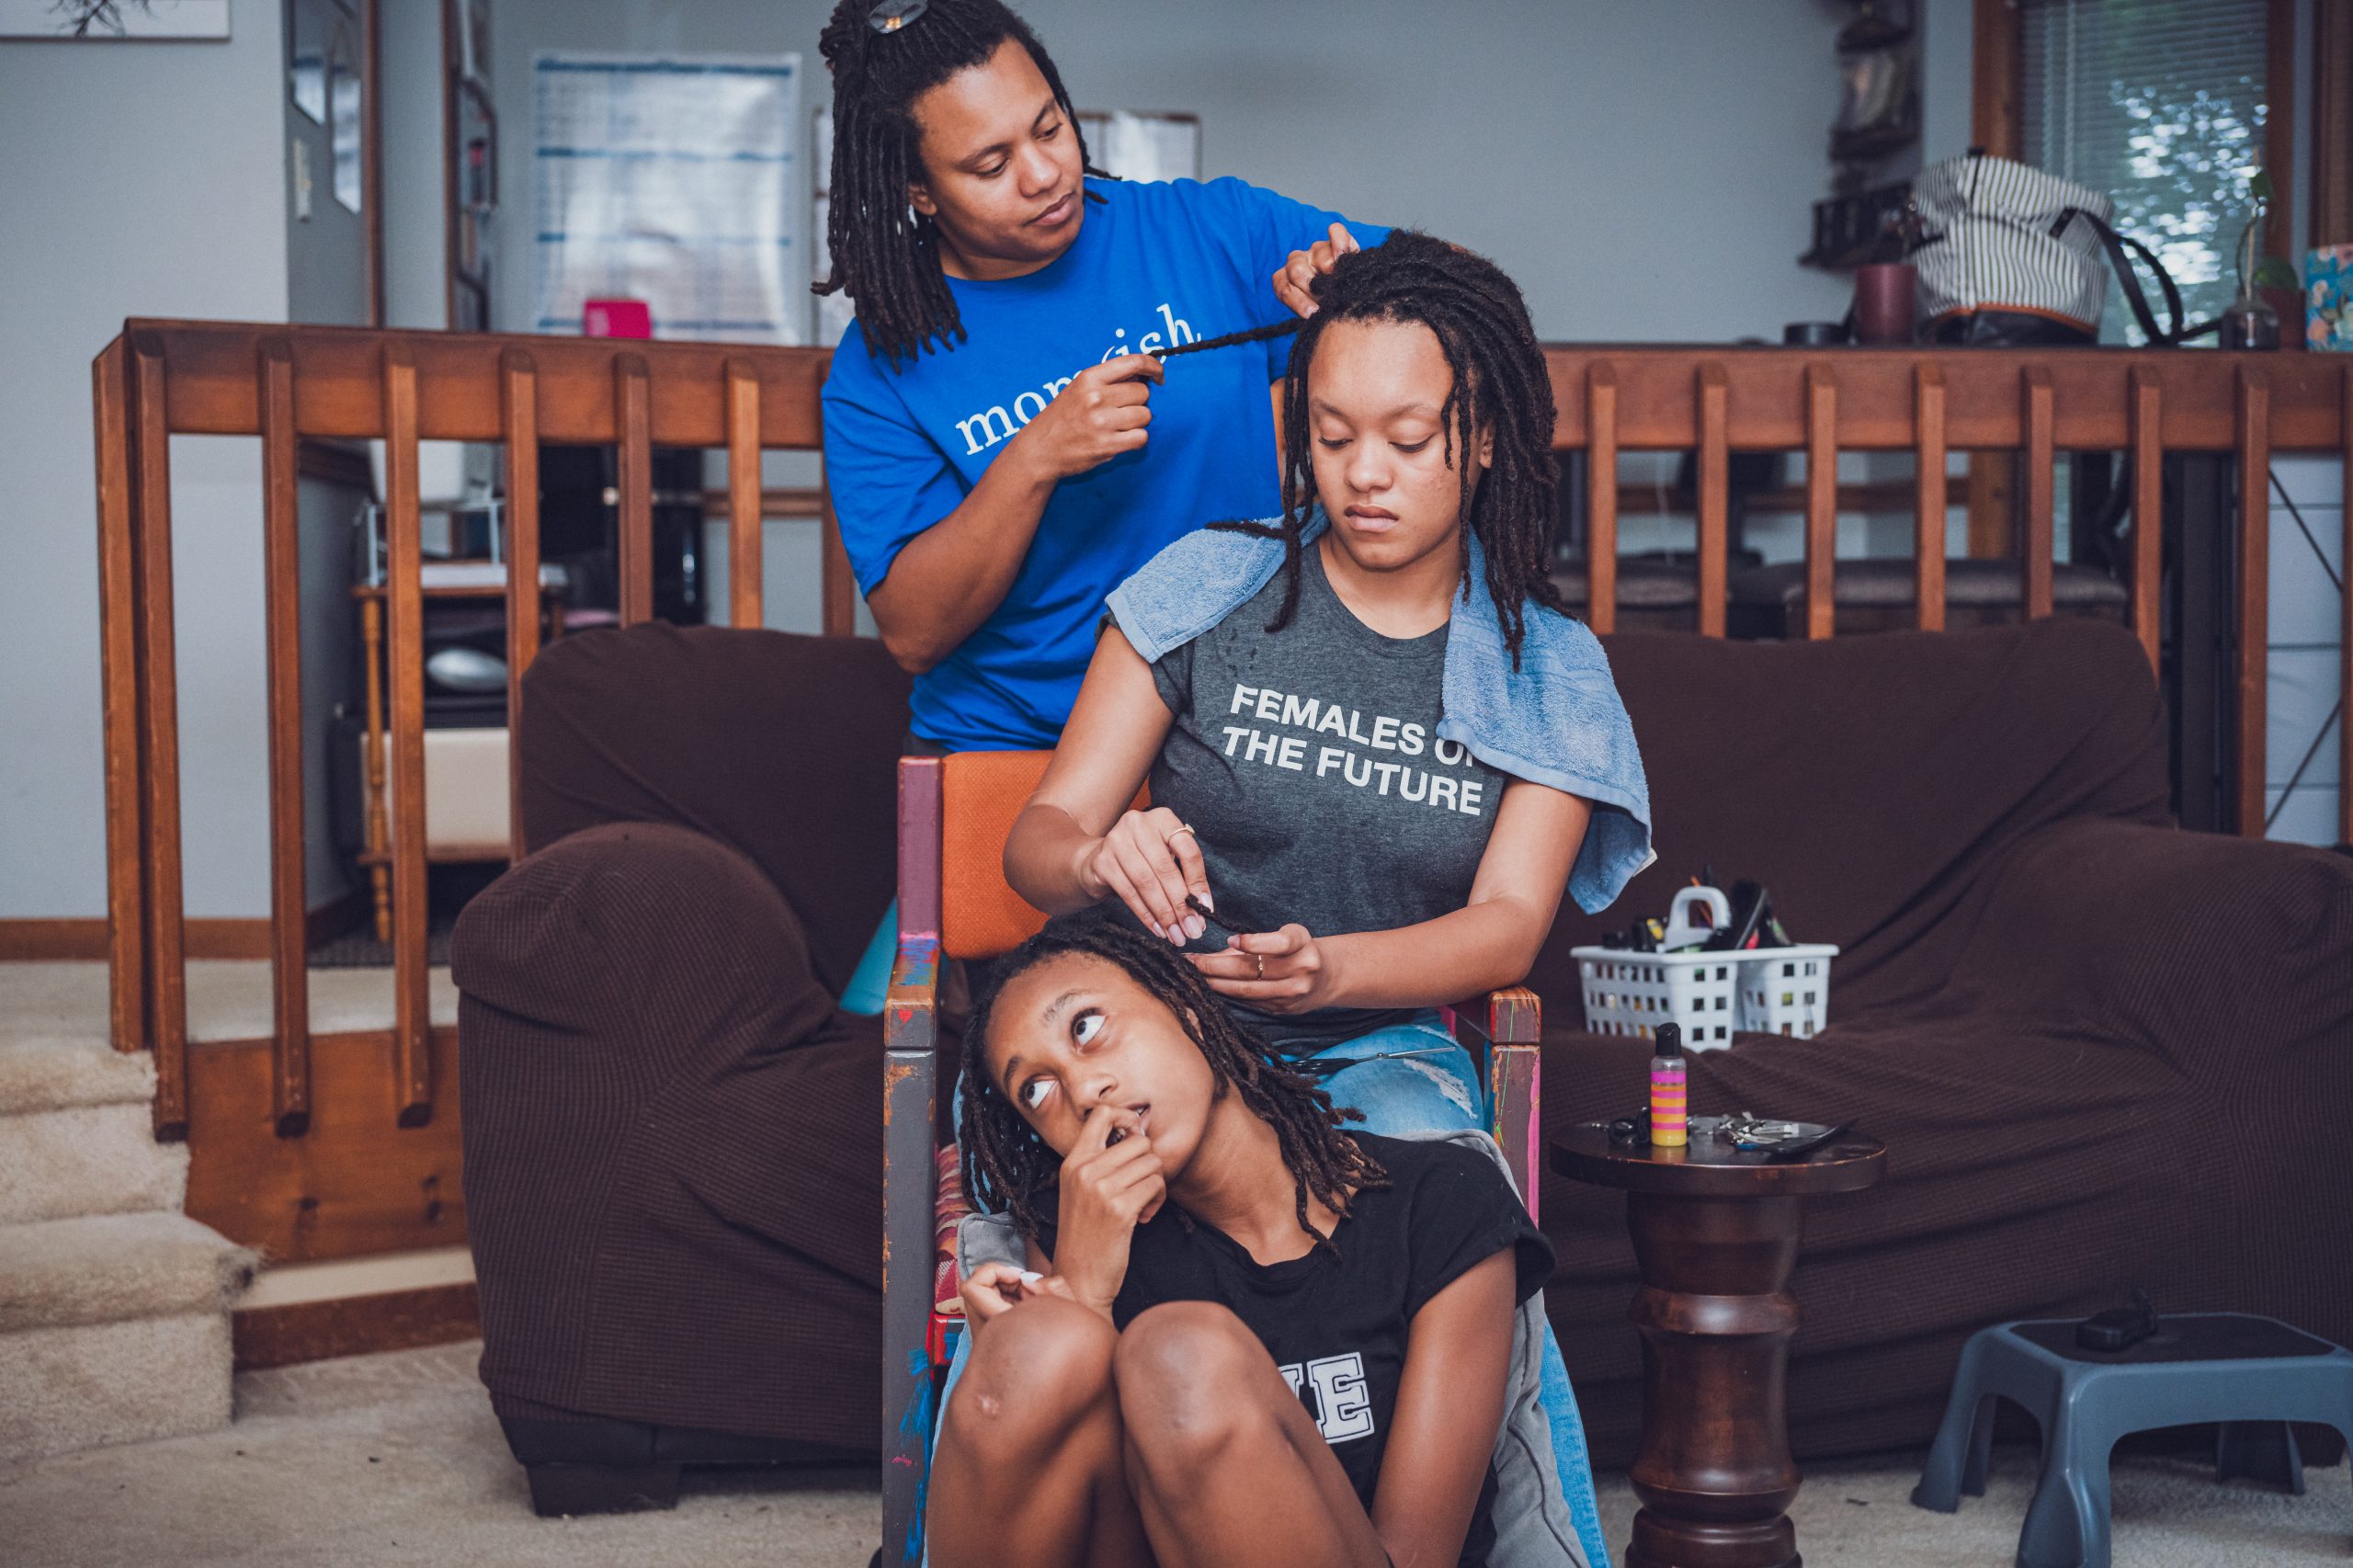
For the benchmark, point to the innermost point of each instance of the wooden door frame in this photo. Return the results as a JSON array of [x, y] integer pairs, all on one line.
[[2332, 122], [452, 18], [371, 151]]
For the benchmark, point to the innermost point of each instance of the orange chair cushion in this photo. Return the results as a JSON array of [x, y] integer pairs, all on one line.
[[981, 793]]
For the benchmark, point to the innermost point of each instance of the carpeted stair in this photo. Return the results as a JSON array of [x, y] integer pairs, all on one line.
[[114, 1306]]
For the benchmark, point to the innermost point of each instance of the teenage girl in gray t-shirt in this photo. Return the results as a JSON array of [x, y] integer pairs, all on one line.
[[1358, 871], [1334, 869]]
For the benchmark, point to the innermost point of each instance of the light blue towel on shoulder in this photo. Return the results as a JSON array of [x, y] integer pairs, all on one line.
[[1555, 720]]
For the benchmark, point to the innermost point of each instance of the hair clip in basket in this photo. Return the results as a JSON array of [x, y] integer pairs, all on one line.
[[892, 15]]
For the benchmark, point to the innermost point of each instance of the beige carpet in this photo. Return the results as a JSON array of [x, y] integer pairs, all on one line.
[[396, 1459], [227, 999]]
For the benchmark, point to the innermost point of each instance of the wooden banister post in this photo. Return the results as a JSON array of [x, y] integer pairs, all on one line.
[[404, 651], [2041, 495], [1715, 484], [1821, 500], [2148, 509], [118, 682], [1602, 499], [1929, 501], [166, 949], [746, 536], [519, 419], [290, 975], [633, 443], [2254, 629]]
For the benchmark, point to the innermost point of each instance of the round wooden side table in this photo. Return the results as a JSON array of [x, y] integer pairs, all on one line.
[[1716, 1233]]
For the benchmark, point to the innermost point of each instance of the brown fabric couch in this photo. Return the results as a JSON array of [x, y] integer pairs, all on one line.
[[2101, 1051], [673, 1139]]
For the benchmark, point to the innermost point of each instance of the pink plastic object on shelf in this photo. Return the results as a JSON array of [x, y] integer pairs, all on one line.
[[616, 318]]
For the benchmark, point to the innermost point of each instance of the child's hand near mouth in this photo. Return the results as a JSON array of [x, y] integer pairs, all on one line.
[[1107, 1189]]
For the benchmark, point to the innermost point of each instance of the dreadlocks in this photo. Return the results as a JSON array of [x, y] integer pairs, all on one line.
[[1008, 1166], [886, 258], [1228, 340], [1500, 388]]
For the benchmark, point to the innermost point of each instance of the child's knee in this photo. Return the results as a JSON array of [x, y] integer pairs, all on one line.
[[1046, 1362], [1180, 1369]]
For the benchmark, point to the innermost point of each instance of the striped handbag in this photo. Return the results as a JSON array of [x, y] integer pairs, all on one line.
[[2009, 254]]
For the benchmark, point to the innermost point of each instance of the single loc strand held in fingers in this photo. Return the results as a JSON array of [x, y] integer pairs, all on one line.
[[1228, 340]]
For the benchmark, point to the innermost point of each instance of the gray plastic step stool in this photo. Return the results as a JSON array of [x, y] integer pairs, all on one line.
[[2252, 1374]]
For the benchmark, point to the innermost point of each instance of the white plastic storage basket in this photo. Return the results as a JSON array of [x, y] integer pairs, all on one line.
[[1785, 990], [1632, 994]]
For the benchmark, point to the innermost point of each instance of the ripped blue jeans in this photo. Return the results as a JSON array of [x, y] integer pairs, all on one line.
[[1414, 1076]]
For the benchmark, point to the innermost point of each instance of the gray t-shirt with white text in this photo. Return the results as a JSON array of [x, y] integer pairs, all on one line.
[[1308, 763]]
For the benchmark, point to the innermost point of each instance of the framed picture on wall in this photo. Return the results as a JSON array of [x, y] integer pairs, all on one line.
[[101, 20]]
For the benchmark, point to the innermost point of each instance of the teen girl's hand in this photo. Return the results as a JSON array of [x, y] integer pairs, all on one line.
[[1150, 861], [1276, 971], [995, 1289], [1107, 1189], [1299, 273], [1103, 412]]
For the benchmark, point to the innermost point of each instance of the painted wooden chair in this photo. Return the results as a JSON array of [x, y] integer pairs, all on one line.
[[954, 815]]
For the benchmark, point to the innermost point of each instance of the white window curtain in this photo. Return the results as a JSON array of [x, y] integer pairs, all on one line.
[[2160, 103]]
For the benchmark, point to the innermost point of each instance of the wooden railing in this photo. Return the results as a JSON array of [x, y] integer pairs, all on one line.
[[288, 385], [1934, 401]]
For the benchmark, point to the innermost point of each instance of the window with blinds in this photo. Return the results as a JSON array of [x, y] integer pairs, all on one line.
[[2161, 104]]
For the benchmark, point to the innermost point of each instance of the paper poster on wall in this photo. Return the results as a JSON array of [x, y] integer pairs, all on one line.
[[1143, 146], [833, 311], [114, 18], [673, 179]]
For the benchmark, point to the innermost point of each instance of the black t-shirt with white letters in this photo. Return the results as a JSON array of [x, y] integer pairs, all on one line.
[[1337, 1327]]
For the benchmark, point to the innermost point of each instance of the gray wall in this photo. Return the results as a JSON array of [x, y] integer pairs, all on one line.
[[146, 180], [326, 252], [1644, 167], [416, 288]]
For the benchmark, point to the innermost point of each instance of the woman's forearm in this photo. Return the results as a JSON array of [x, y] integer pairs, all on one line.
[[951, 577], [1477, 949], [1045, 860]]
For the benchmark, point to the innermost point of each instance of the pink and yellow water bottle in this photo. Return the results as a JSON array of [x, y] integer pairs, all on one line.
[[1670, 1108]]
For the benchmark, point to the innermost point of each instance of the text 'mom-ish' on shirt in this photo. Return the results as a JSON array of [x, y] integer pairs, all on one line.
[[1154, 264]]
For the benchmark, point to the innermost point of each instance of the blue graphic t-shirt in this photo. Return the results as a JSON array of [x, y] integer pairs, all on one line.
[[1153, 264]]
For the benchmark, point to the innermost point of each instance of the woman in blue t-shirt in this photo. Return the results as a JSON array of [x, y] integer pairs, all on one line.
[[1240, 1332], [1001, 444]]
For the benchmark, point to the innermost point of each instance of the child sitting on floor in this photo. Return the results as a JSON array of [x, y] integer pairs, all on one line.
[[1245, 1334]]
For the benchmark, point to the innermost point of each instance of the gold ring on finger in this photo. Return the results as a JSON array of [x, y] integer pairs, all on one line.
[[1180, 828], [1262, 964]]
